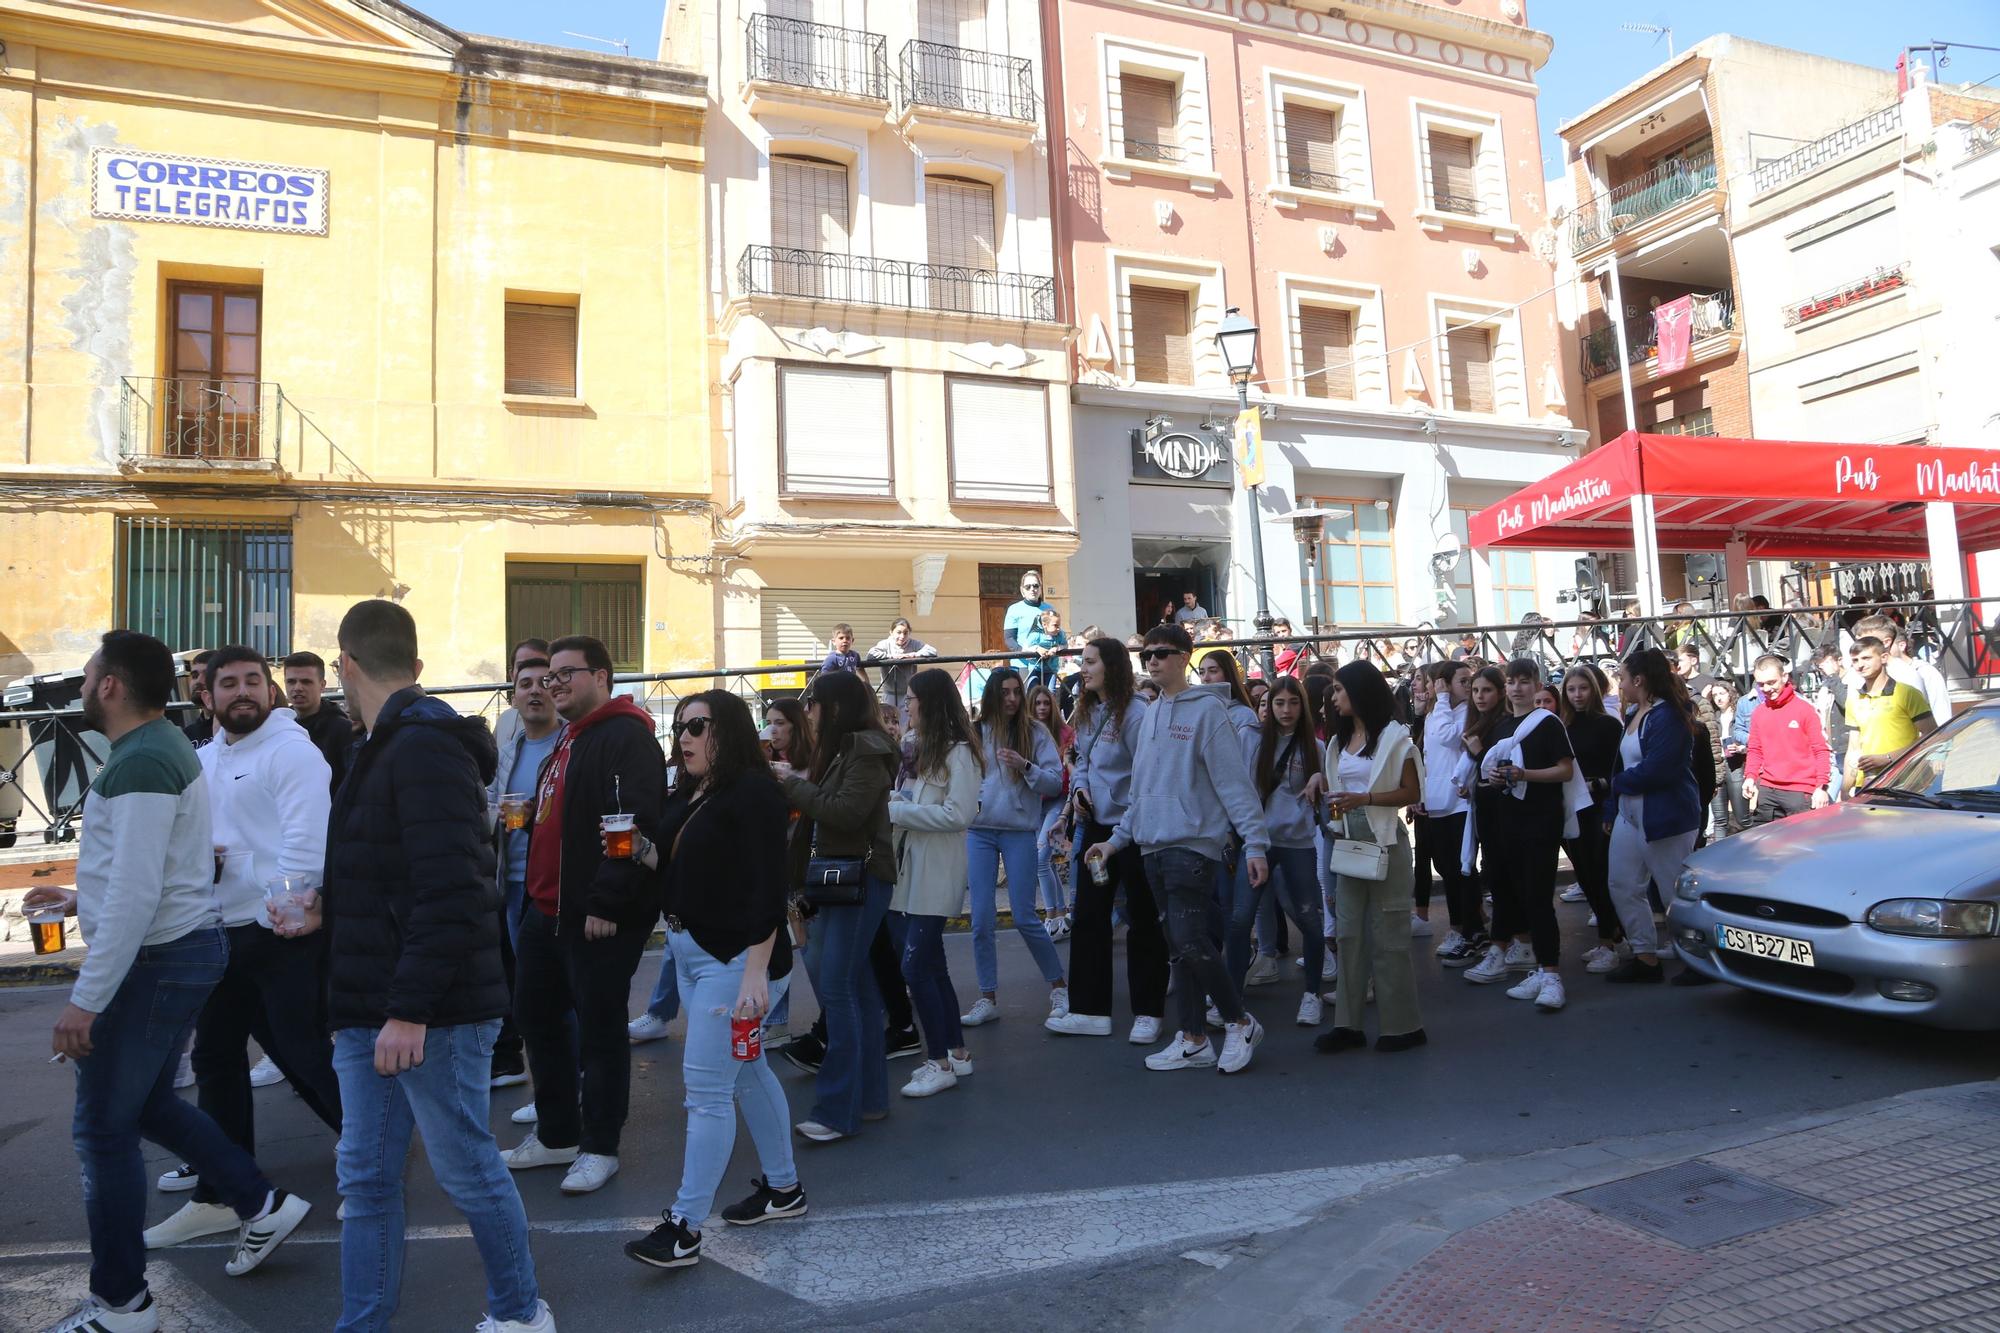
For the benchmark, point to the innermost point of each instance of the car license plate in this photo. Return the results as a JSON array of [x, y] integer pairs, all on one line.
[[1759, 945]]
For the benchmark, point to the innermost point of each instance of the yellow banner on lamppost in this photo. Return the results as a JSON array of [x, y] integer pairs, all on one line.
[[1250, 446]]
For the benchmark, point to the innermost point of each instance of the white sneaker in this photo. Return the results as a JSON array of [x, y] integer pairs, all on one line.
[[1451, 941], [646, 1027], [530, 1152], [184, 1072], [1179, 1055], [1489, 969], [1592, 921], [983, 1012], [1059, 928], [193, 1221], [1329, 969], [1551, 997], [93, 1316], [1059, 1002], [1572, 894], [340, 1213], [1213, 1017], [543, 1322], [1528, 987], [260, 1237], [929, 1079], [525, 1115], [1420, 926], [589, 1173], [182, 1177], [1600, 959], [1263, 971], [962, 1068], [1311, 1010], [265, 1073], [1520, 954], [1238, 1042], [1079, 1025], [1145, 1031]]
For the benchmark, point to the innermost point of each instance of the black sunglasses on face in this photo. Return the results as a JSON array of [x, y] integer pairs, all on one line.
[[694, 726], [1158, 654]]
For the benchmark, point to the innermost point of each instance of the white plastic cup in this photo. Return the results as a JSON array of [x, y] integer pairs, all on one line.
[[284, 901]]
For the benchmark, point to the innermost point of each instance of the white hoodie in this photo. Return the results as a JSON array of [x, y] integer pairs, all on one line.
[[268, 792]]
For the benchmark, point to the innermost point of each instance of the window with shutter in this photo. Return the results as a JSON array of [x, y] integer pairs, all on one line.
[[809, 204], [999, 440], [541, 350], [1150, 118], [958, 216], [1162, 352], [1454, 180], [1326, 351], [1470, 352], [1312, 136], [607, 602], [1357, 564], [833, 431], [798, 623]]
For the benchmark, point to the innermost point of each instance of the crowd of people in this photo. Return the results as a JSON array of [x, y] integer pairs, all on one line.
[[406, 909]]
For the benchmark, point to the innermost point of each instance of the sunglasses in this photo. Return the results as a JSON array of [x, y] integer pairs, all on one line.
[[696, 727], [1158, 654]]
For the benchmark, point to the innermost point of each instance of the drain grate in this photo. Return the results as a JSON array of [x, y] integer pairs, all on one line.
[[1698, 1205]]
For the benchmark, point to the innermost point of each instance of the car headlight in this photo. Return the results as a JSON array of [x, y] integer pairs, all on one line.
[[1687, 887], [1937, 918]]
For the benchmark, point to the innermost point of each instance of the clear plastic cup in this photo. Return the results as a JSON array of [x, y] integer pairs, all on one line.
[[618, 831], [46, 925], [284, 901], [514, 811]]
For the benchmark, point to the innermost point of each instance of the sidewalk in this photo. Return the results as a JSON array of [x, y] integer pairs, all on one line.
[[1881, 1217]]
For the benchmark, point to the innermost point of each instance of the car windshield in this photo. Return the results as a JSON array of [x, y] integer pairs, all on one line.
[[1960, 761]]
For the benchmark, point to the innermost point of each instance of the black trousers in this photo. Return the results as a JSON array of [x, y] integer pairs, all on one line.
[[507, 1053], [1420, 887], [1589, 854], [272, 989], [558, 974], [1521, 869], [1462, 893], [1773, 805], [1090, 935]]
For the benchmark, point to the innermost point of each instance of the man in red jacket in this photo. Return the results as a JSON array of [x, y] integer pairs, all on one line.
[[1786, 767]]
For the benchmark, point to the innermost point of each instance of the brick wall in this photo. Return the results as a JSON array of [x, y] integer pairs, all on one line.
[[1721, 386]]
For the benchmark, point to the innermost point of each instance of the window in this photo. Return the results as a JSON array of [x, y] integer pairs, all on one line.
[[1000, 588], [1513, 584], [959, 218], [1325, 353], [607, 602], [833, 431], [541, 350], [1463, 611], [809, 205], [798, 623], [211, 400], [1312, 147], [1454, 177], [1698, 422], [1157, 321], [1357, 566], [960, 23], [1150, 118], [201, 585], [999, 440], [1469, 354]]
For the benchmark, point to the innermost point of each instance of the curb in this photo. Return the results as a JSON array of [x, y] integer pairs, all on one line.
[[44, 971]]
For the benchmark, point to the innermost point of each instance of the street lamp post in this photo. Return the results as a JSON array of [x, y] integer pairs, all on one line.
[[1237, 339]]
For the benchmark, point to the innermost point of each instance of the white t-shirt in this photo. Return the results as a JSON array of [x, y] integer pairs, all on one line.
[[1353, 771], [1631, 805]]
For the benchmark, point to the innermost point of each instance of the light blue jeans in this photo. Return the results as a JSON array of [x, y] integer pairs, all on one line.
[[1054, 892], [717, 1083], [446, 1098], [986, 849], [666, 1001]]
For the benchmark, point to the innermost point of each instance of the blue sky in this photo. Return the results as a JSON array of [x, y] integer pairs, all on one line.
[[1593, 56]]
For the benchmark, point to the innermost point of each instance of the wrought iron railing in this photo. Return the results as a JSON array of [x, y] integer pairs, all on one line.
[[1714, 313], [1863, 288], [1982, 136], [1460, 205], [818, 56], [1145, 150], [1300, 179], [769, 270], [1829, 148], [1627, 204], [955, 79], [200, 420]]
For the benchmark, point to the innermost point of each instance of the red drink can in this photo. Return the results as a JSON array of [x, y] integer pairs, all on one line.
[[746, 1038]]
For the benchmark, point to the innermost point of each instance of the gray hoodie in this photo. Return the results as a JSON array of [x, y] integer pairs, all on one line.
[[1288, 818], [1190, 785], [1008, 800], [1104, 761]]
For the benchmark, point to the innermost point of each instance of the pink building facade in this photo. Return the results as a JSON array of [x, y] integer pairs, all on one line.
[[1365, 185]]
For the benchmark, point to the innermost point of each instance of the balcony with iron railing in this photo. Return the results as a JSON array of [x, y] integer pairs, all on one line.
[[767, 271], [787, 60], [1982, 137], [1871, 129], [193, 423], [1628, 204], [1714, 317], [966, 86]]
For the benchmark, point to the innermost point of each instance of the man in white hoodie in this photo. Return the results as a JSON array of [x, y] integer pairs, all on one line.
[[268, 794]]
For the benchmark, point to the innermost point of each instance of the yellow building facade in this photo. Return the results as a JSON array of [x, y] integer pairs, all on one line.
[[308, 301]]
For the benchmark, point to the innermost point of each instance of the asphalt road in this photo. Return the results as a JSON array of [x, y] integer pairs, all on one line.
[[1053, 1189]]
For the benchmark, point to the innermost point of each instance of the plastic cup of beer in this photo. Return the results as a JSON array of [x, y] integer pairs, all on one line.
[[617, 836], [46, 925], [514, 811], [284, 901]]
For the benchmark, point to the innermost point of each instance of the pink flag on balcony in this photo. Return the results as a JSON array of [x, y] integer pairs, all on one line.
[[1673, 326]]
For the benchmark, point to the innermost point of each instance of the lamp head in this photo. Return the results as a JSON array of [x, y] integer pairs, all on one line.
[[1237, 337]]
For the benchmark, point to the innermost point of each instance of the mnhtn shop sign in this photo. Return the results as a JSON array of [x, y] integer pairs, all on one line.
[[1179, 456], [208, 192]]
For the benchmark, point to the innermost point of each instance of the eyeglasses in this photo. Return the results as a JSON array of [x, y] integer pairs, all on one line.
[[696, 727], [560, 676], [1159, 654]]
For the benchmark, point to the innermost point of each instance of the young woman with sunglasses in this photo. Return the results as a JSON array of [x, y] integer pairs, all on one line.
[[1022, 770], [1290, 772]]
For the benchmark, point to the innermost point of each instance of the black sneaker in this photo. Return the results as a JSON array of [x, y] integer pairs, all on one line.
[[904, 1041], [807, 1053], [1632, 970], [766, 1205], [509, 1070], [672, 1244], [1460, 954]]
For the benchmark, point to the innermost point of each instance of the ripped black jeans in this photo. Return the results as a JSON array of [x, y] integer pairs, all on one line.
[[1183, 883]]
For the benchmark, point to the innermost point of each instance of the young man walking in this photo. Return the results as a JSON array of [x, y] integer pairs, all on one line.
[[329, 726], [144, 897], [1786, 764], [267, 787], [587, 917], [415, 990], [1190, 786], [522, 754]]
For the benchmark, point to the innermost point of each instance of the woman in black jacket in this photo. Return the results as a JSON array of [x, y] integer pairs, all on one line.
[[844, 804], [726, 888], [1594, 736]]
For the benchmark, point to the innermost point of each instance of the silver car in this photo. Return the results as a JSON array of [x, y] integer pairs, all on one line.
[[1887, 903]]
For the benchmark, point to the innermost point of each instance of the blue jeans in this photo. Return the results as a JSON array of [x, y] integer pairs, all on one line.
[[666, 1001], [125, 1091], [1184, 881], [985, 849], [854, 1076], [717, 1083], [516, 899], [1055, 895], [445, 1098], [929, 979], [1294, 882]]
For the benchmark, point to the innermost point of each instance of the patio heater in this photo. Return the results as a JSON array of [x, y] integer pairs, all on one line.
[[1309, 529]]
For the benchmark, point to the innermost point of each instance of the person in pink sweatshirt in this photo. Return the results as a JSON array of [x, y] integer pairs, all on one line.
[[1786, 767]]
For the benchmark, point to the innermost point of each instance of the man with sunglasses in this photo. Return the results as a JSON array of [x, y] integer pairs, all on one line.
[[587, 917], [530, 741], [1024, 616]]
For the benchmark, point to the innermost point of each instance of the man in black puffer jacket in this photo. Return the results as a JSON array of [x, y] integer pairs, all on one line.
[[415, 987]]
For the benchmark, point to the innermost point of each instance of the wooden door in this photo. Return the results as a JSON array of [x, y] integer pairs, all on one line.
[[211, 403]]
